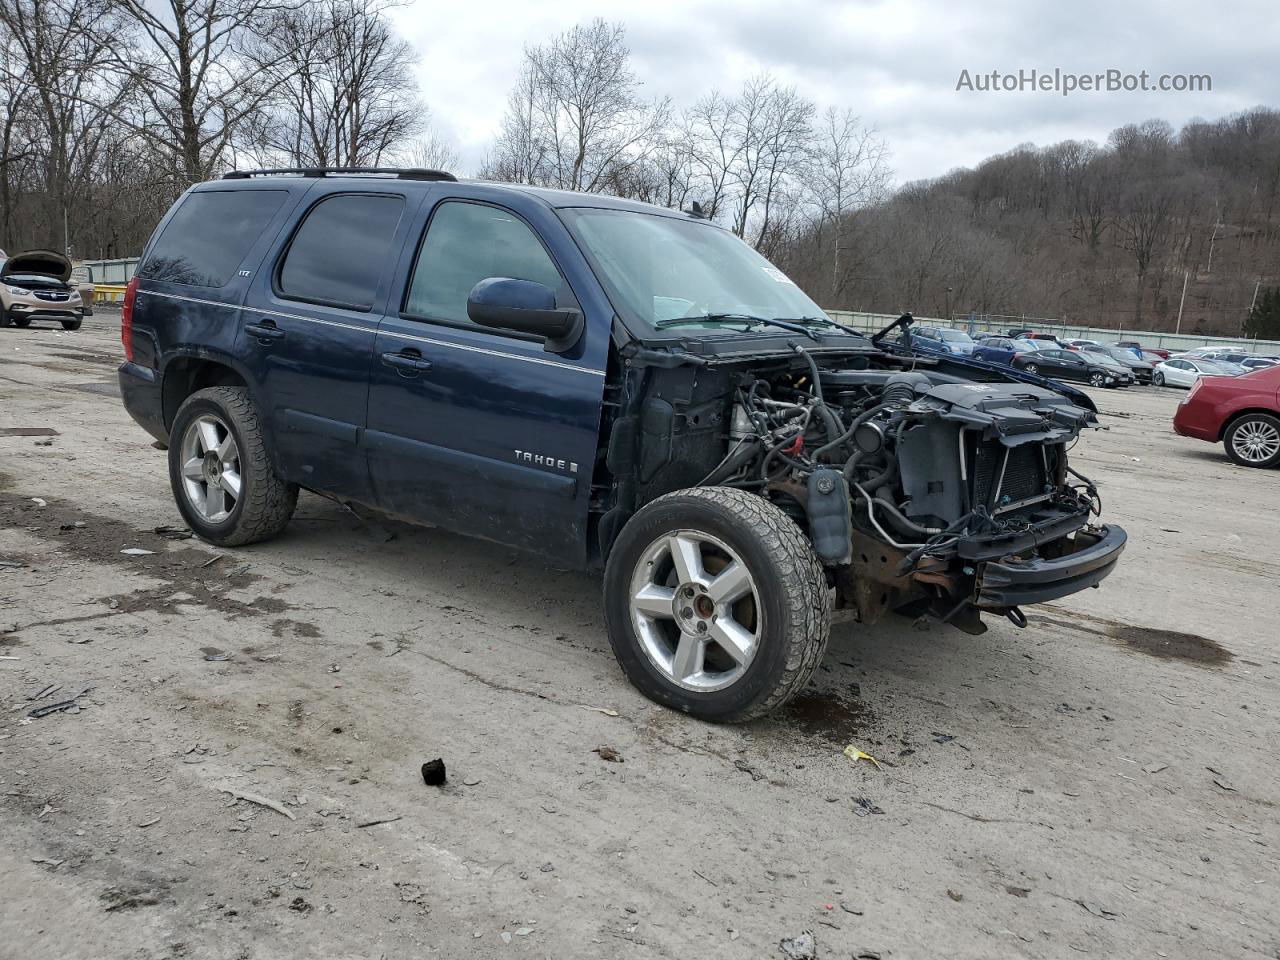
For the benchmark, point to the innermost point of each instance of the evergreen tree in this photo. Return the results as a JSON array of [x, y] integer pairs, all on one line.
[[1263, 321]]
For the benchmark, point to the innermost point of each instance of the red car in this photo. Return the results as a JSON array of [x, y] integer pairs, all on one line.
[[1162, 354], [1242, 412]]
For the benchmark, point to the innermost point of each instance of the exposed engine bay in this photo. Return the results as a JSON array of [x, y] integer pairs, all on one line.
[[923, 492]]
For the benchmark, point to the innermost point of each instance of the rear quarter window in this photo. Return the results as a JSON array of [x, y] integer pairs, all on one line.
[[209, 235], [341, 251]]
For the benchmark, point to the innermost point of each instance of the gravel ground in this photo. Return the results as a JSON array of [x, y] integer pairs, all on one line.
[[1103, 782]]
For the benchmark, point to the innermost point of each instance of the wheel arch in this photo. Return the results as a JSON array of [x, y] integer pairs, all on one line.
[[186, 373], [1236, 415]]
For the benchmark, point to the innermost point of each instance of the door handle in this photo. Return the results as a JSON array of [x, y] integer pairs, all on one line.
[[407, 362], [264, 332]]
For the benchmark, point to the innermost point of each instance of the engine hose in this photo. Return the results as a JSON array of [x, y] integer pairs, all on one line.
[[830, 421], [737, 458], [871, 515], [844, 438], [905, 524], [885, 475]]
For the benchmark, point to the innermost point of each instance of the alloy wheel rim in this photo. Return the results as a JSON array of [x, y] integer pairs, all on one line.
[[211, 478], [695, 608], [1256, 441]]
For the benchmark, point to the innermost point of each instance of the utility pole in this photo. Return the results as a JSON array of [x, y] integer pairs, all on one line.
[[948, 306], [1185, 276]]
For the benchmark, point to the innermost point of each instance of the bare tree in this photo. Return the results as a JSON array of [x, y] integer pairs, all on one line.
[[53, 51], [714, 148], [576, 119], [431, 152], [342, 87], [848, 170], [203, 69], [774, 130]]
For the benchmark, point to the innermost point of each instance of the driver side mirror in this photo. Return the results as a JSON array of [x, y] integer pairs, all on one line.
[[524, 306]]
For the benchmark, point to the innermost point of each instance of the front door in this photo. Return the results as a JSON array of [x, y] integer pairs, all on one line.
[[478, 430], [308, 329]]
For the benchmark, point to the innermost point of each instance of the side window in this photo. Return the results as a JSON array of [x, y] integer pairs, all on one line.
[[342, 250], [467, 243], [209, 235]]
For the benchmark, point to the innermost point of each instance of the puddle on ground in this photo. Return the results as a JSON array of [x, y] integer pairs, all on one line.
[[28, 432], [819, 713], [105, 389], [102, 359], [1164, 644]]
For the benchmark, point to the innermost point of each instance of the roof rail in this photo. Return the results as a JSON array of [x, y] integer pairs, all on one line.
[[402, 173]]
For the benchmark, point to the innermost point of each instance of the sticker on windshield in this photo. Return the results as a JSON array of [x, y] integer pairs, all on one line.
[[778, 275]]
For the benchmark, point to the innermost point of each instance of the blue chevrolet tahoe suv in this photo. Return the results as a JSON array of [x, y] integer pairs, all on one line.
[[607, 384]]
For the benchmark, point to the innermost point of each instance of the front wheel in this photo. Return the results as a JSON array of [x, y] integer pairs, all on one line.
[[1157, 379], [1254, 440], [22, 321], [220, 472], [1097, 379], [1032, 369], [72, 324], [716, 604]]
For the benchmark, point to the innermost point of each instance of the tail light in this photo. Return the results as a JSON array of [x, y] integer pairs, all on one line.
[[126, 318]]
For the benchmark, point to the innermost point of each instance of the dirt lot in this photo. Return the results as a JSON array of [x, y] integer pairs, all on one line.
[[1103, 782]]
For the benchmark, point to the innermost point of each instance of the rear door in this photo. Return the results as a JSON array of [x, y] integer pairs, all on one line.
[[480, 430], [309, 324]]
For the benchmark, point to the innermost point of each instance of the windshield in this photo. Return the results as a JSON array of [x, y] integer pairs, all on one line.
[[956, 336], [1218, 367], [660, 269]]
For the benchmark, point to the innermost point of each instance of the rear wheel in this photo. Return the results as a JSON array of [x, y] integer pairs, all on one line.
[[716, 604], [1254, 440], [220, 472]]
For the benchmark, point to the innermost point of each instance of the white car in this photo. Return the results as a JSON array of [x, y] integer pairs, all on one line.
[[1185, 371]]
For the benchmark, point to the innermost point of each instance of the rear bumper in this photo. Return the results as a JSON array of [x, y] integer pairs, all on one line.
[[1011, 581], [1190, 421], [141, 392]]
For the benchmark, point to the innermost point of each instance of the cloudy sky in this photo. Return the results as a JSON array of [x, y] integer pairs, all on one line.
[[896, 63]]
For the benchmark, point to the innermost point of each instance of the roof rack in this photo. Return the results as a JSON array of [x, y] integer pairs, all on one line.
[[402, 173]]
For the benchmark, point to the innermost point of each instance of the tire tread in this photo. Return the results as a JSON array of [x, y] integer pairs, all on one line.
[[804, 587], [270, 500]]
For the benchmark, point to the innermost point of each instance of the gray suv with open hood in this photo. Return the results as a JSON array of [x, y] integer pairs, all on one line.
[[33, 286]]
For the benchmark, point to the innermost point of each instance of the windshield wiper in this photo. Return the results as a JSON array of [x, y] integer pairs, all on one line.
[[824, 322], [746, 318]]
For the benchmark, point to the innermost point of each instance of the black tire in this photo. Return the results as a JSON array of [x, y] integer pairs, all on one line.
[[794, 607], [1098, 379], [265, 503], [1032, 369], [1157, 379], [22, 321], [1265, 423], [72, 324]]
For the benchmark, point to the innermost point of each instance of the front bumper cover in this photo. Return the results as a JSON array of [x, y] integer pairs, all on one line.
[[1012, 581]]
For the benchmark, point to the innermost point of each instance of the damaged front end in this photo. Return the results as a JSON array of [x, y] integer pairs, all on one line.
[[923, 492]]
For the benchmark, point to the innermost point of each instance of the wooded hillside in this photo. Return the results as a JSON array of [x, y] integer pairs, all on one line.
[[1097, 235]]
